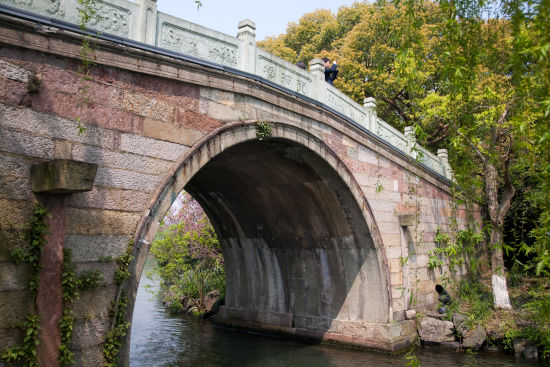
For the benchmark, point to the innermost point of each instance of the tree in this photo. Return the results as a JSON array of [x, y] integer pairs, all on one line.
[[188, 253]]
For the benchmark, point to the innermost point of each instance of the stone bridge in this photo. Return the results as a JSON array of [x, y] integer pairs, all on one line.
[[326, 221]]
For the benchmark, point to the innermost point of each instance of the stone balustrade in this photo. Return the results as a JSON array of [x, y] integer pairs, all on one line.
[[140, 21]]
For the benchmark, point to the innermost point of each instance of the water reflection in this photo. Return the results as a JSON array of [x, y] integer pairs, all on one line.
[[161, 339]]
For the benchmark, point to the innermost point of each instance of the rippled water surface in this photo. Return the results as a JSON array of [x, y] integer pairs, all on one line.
[[161, 339]]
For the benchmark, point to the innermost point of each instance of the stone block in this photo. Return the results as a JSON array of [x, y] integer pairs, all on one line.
[[14, 213], [147, 106], [63, 149], [128, 161], [15, 73], [93, 248], [63, 176], [171, 132], [15, 277], [406, 220], [10, 337], [151, 147], [89, 331], [54, 126], [15, 188], [128, 180], [15, 306], [107, 269], [15, 166], [88, 221], [25, 144], [436, 331], [90, 357], [110, 198], [94, 303]]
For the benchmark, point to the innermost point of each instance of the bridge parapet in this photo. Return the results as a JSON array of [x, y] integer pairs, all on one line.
[[140, 21]]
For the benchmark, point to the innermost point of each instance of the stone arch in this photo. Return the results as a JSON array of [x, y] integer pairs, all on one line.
[[353, 286]]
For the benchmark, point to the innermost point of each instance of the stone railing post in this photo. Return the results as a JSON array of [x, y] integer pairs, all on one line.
[[369, 104], [317, 68], [411, 141], [247, 33], [147, 24], [443, 156]]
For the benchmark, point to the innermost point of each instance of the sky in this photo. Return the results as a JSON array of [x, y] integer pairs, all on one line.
[[271, 17]]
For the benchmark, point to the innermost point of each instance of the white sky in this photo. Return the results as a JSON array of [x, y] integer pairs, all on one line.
[[271, 17]]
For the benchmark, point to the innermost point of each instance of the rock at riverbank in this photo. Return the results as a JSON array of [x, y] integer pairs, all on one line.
[[436, 331]]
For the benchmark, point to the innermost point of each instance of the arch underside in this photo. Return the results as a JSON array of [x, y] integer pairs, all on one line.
[[297, 249]]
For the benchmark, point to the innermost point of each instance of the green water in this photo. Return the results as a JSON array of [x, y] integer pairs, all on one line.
[[161, 339]]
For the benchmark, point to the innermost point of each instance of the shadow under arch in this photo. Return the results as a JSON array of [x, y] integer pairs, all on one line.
[[301, 245]]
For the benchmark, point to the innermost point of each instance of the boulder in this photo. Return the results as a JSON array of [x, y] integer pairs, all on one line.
[[459, 322], [526, 348], [475, 338], [210, 299], [410, 314], [436, 331]]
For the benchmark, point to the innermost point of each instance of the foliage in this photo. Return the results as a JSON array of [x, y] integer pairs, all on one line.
[[26, 353], [37, 230], [263, 130], [188, 253], [456, 251], [123, 263], [113, 338]]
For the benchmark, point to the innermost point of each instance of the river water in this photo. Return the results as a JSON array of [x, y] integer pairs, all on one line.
[[161, 339]]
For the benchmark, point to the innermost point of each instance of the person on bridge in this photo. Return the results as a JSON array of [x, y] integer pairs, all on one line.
[[331, 71]]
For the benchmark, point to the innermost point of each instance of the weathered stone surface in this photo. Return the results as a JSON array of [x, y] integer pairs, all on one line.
[[24, 144], [15, 188], [95, 303], [459, 321], [128, 180], [109, 198], [15, 277], [89, 331], [63, 176], [128, 161], [151, 147], [475, 338], [525, 348], [10, 337], [14, 72], [210, 299], [45, 124], [81, 221], [89, 357], [410, 314], [15, 306], [14, 166], [433, 330], [107, 270], [93, 248]]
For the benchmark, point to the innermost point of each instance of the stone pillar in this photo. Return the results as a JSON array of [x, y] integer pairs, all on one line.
[[147, 23], [443, 156], [317, 68], [247, 33], [54, 181], [369, 104], [411, 141]]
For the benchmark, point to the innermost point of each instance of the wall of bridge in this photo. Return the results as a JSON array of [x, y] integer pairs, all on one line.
[[153, 123]]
